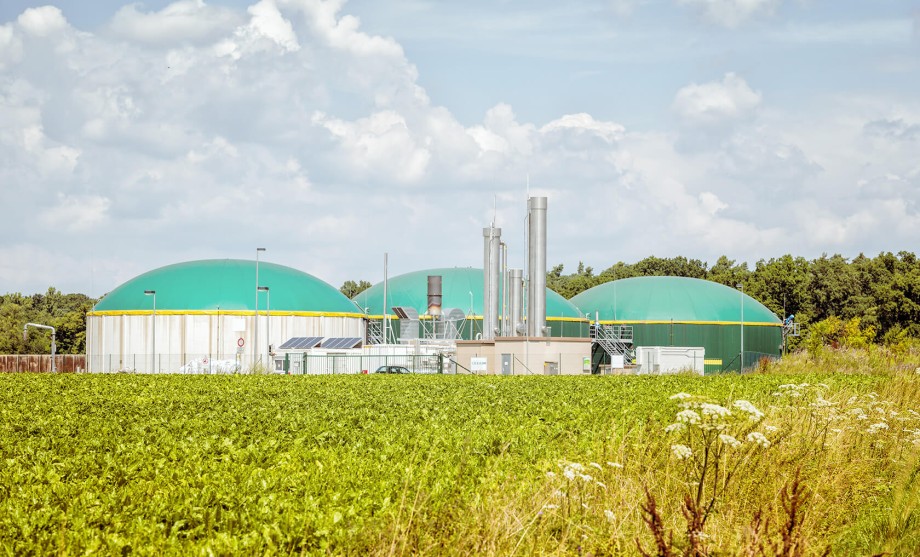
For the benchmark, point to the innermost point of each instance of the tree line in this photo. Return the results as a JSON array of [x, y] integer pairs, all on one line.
[[65, 312], [881, 293]]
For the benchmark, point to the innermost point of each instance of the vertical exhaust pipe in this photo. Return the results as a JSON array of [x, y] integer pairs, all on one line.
[[434, 295], [492, 238], [536, 257], [516, 291]]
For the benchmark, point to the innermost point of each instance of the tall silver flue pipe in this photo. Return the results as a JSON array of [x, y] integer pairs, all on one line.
[[504, 322], [536, 271], [516, 292], [492, 238]]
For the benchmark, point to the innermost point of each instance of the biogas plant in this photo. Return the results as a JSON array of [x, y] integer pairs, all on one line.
[[242, 316]]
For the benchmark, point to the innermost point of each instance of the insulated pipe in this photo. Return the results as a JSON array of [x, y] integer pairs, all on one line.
[[491, 238], [515, 287], [536, 294]]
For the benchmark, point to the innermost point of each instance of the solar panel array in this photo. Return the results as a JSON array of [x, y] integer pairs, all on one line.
[[349, 342], [301, 343]]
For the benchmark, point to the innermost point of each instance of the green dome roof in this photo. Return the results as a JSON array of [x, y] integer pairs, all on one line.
[[411, 290], [227, 285], [680, 299]]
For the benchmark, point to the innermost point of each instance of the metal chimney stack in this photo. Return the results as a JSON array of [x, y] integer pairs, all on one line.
[[516, 294], [536, 260], [434, 295], [492, 238]]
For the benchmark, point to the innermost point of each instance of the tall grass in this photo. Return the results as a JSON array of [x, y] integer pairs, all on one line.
[[841, 476]]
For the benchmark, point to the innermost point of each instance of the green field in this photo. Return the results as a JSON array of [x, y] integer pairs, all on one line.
[[125, 464]]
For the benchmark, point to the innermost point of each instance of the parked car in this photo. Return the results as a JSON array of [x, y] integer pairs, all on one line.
[[392, 369]]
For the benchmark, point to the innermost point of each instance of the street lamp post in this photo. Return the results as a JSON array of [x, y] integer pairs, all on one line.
[[255, 342], [268, 319], [154, 335], [741, 355]]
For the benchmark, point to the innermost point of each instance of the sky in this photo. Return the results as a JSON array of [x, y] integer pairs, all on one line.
[[137, 135]]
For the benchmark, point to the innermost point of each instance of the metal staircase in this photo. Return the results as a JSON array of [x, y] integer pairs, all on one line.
[[374, 332], [615, 340]]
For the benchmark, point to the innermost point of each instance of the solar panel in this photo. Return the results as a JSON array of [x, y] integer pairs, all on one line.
[[301, 343], [340, 343]]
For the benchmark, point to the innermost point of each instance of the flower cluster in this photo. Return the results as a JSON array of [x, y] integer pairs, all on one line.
[[682, 452], [731, 425]]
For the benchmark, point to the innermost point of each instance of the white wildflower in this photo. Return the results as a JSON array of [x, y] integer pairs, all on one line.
[[596, 465], [585, 477], [682, 452], [575, 466], [675, 427], [559, 494], [770, 428], [688, 417], [758, 438], [748, 408], [714, 410], [680, 396], [550, 506], [614, 464], [729, 440], [836, 430], [569, 474], [601, 485], [822, 385], [821, 402], [804, 385], [859, 413], [550, 475], [610, 516], [877, 427]]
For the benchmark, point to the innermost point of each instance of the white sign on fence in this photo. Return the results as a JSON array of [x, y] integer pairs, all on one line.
[[479, 364]]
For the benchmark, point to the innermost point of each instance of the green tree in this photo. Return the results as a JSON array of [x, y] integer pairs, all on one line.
[[351, 288]]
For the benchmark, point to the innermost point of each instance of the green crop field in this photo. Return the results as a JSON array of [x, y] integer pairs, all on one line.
[[125, 464]]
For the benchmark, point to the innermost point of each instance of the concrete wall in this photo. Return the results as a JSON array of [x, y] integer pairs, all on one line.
[[529, 355]]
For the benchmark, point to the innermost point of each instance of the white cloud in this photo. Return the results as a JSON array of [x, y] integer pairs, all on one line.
[[731, 13], [10, 46], [716, 103], [381, 144], [43, 21], [182, 21], [76, 213]]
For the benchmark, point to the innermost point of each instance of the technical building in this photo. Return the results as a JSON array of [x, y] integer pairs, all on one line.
[[201, 316], [682, 312], [461, 307]]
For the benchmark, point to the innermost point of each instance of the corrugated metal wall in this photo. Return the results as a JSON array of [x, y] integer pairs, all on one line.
[[41, 363], [125, 342], [722, 342]]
